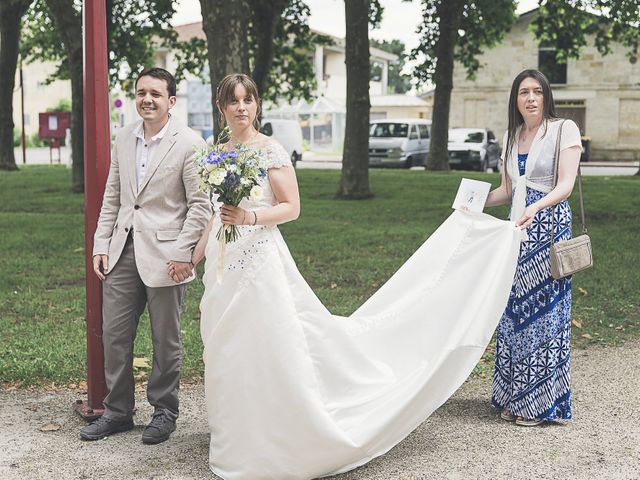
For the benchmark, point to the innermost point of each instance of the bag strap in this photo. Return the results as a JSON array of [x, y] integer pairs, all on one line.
[[556, 164]]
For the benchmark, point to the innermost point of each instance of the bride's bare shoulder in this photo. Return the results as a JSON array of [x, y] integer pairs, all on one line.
[[264, 142]]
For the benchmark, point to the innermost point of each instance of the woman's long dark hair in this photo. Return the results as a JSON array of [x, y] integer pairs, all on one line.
[[515, 117]]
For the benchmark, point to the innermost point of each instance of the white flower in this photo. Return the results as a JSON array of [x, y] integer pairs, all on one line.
[[245, 181], [216, 177], [209, 167], [256, 193], [232, 168]]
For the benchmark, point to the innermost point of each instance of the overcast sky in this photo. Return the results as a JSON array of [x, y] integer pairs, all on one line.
[[399, 20]]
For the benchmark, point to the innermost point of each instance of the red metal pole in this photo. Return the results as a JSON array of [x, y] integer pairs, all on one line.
[[96, 169]]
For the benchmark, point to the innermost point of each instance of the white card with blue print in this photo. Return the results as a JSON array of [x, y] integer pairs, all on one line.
[[472, 195]]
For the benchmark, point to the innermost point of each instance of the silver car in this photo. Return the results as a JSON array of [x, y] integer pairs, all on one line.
[[475, 148], [399, 143]]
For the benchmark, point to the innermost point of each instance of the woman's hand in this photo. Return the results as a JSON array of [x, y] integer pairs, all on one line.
[[527, 217], [230, 215]]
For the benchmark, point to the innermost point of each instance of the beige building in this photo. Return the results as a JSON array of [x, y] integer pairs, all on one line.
[[38, 96], [601, 93]]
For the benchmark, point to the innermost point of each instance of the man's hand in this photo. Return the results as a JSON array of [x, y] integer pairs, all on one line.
[[179, 271], [100, 265]]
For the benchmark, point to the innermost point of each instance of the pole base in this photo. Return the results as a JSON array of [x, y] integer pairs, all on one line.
[[82, 408]]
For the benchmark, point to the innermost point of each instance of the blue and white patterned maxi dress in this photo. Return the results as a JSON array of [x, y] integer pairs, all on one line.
[[532, 377]]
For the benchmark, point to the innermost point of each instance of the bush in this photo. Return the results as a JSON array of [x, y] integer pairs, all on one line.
[[33, 141], [63, 105], [16, 137]]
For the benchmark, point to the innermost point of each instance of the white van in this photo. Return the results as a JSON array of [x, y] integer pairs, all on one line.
[[399, 142], [288, 133]]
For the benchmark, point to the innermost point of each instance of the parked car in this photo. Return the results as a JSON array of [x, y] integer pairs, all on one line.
[[399, 143], [287, 132], [475, 148]]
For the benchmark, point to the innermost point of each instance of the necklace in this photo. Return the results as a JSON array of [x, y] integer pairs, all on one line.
[[248, 142]]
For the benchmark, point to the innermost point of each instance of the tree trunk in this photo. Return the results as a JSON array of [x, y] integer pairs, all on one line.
[[68, 23], [449, 12], [11, 13], [225, 25], [266, 16], [354, 181]]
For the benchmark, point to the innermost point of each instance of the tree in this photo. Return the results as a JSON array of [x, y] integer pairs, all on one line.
[[68, 25], [398, 82], [270, 40], [11, 12], [568, 24], [225, 24], [454, 30], [292, 75], [354, 181]]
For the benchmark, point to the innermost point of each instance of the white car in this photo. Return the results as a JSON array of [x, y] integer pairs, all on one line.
[[287, 132], [475, 148]]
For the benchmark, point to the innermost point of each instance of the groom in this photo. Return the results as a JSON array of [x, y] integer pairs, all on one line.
[[152, 213]]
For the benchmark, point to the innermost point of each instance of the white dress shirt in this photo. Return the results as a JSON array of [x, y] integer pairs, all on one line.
[[146, 150]]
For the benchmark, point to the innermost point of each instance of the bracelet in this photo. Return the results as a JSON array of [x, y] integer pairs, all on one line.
[[255, 218]]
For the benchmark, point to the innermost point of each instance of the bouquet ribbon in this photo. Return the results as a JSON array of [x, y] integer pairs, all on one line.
[[221, 248]]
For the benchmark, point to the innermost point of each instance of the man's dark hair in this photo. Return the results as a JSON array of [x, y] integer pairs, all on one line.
[[161, 74]]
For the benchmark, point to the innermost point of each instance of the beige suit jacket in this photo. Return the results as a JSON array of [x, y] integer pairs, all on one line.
[[167, 214]]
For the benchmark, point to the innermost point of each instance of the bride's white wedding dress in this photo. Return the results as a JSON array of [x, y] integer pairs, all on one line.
[[294, 392]]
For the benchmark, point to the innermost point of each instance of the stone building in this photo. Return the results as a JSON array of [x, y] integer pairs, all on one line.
[[601, 93]]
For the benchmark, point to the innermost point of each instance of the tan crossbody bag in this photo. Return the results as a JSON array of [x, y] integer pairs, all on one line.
[[569, 256]]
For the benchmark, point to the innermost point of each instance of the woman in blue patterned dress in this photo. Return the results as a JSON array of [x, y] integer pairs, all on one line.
[[531, 382]]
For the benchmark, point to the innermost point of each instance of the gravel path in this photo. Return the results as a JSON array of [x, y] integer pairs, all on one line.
[[464, 439]]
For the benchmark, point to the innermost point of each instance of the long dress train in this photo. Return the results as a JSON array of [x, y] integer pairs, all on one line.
[[293, 392]]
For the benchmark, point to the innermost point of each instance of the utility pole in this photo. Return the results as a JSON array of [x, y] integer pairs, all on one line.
[[96, 169]]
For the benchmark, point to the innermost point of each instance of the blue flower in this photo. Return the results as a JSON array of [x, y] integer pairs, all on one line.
[[232, 180], [214, 158]]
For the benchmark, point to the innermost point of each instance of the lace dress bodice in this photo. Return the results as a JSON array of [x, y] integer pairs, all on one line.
[[252, 248]]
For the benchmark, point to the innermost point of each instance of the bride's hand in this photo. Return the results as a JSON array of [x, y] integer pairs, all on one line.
[[230, 215]]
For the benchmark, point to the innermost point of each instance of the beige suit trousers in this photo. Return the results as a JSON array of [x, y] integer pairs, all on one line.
[[124, 299]]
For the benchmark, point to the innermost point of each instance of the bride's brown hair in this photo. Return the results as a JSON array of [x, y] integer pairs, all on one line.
[[226, 93]]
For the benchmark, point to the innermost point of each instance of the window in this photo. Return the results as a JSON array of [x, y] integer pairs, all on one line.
[[200, 120], [375, 74], [413, 134], [424, 131], [267, 129], [574, 110], [387, 130], [556, 72]]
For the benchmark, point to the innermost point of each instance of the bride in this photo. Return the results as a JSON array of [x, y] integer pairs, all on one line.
[[293, 392]]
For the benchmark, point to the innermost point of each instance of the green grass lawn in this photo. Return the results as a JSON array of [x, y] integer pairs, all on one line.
[[345, 249]]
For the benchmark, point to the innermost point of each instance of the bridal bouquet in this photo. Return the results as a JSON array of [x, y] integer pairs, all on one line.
[[231, 176]]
